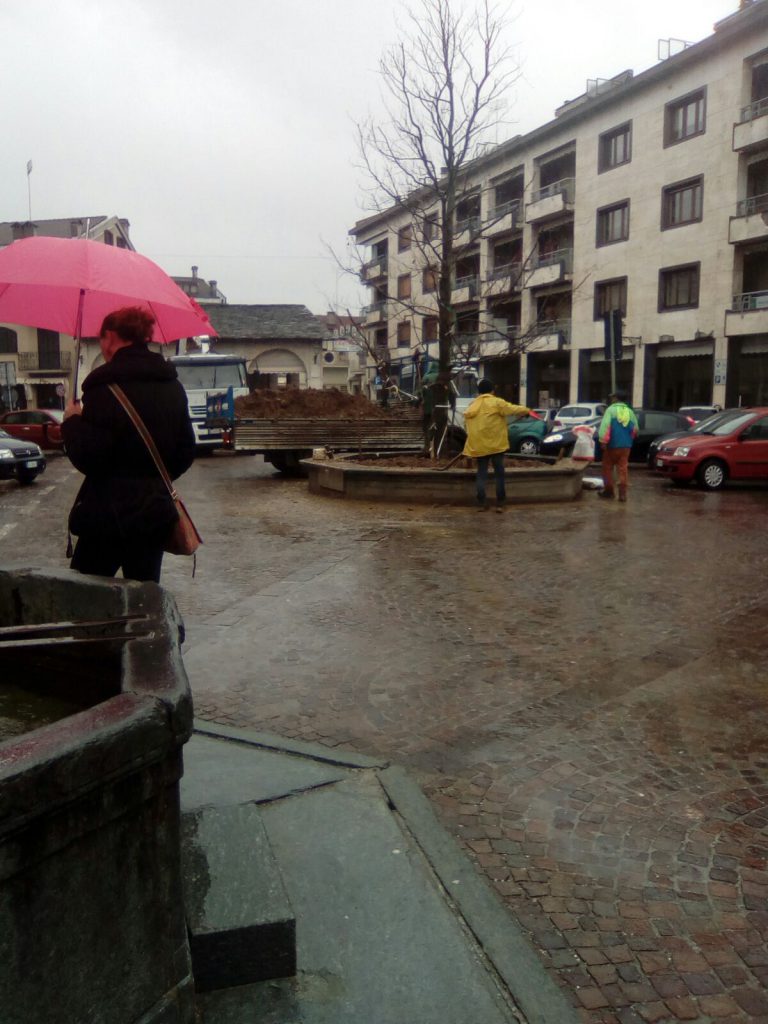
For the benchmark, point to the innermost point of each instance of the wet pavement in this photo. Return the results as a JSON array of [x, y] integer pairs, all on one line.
[[579, 689]]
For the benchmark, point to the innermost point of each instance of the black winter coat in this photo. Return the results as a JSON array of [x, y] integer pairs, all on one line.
[[123, 495]]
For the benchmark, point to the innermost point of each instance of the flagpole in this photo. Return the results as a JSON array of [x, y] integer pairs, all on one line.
[[29, 187]]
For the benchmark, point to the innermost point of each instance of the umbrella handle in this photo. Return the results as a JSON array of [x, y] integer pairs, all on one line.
[[78, 335]]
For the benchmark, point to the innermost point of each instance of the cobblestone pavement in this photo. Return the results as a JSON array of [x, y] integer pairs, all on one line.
[[579, 689]]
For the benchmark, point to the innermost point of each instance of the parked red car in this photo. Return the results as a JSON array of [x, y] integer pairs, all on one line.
[[735, 447], [42, 426]]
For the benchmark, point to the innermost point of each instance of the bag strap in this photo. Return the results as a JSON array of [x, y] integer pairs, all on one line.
[[145, 435]]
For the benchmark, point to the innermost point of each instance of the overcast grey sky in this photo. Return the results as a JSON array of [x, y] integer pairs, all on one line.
[[223, 131]]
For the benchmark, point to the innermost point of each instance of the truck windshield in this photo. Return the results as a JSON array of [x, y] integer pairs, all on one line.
[[210, 376]]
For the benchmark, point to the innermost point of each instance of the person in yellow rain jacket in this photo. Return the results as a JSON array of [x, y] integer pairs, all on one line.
[[488, 440]]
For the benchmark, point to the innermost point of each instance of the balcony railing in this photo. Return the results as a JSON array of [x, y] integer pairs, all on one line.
[[471, 224], [376, 267], [471, 281], [564, 256], [749, 300], [60, 362], [754, 110], [502, 210], [753, 204], [375, 309], [565, 187], [546, 327], [506, 270]]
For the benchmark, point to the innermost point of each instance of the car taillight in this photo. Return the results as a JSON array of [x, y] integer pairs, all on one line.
[[557, 423]]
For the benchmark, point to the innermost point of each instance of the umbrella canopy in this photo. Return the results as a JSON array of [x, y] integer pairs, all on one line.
[[70, 284]]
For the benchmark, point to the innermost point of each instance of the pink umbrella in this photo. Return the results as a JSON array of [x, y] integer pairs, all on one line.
[[71, 284]]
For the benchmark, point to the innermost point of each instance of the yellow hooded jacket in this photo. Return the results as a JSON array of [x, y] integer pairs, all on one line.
[[486, 422]]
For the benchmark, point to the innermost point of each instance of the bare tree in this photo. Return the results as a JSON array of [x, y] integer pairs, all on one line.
[[442, 84]]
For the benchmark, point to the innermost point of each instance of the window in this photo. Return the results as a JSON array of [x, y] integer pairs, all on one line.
[[404, 238], [613, 223], [429, 280], [685, 117], [430, 328], [404, 286], [404, 334], [614, 147], [610, 295], [681, 203], [8, 341], [679, 287], [431, 229]]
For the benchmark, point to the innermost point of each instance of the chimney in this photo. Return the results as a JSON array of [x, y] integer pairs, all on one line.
[[212, 286], [194, 273]]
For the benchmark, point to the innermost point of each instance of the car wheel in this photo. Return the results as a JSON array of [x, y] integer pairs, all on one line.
[[712, 474], [529, 446], [26, 478]]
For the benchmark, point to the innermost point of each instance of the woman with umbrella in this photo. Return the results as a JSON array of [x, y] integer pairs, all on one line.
[[123, 514]]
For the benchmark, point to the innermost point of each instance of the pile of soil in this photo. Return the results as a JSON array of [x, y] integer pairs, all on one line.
[[304, 403]]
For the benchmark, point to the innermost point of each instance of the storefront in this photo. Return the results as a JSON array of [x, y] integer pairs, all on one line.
[[678, 373], [548, 377], [595, 382], [747, 381]]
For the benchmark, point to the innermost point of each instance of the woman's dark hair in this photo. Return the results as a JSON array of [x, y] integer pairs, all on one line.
[[485, 387], [132, 324]]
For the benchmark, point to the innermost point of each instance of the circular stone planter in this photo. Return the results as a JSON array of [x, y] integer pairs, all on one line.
[[343, 477]]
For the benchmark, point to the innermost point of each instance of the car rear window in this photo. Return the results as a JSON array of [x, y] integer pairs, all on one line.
[[575, 410]]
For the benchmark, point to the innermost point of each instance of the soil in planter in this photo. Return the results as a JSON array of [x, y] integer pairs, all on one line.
[[312, 403], [422, 462]]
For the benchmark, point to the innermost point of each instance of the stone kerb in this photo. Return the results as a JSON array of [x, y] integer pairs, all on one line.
[[342, 477]]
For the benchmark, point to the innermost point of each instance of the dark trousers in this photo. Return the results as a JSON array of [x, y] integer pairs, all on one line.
[[482, 475], [140, 559]]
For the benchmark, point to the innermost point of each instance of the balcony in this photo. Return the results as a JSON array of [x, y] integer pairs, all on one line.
[[466, 229], [503, 279], [751, 221], [551, 200], [54, 363], [503, 218], [549, 335], [748, 315], [376, 313], [465, 289], [375, 269], [751, 131], [551, 268]]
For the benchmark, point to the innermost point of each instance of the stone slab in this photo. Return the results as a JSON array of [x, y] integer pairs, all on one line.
[[241, 926], [376, 939], [227, 772]]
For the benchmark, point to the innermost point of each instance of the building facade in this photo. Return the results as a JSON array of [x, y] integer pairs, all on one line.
[[647, 195], [282, 345]]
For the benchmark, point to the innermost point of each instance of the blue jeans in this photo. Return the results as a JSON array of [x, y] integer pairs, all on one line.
[[482, 476]]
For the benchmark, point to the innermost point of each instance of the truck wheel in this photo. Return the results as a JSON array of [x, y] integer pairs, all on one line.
[[288, 463]]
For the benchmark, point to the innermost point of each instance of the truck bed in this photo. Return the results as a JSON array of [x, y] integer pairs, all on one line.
[[399, 433]]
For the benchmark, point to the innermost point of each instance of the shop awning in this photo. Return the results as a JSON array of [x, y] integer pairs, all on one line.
[[685, 348]]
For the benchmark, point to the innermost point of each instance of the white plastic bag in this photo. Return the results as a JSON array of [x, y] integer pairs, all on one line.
[[584, 448]]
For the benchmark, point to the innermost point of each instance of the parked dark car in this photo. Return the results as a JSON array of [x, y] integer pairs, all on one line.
[[652, 423], [700, 427], [41, 426], [733, 448], [20, 459]]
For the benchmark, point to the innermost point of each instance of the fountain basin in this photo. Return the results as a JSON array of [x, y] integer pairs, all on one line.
[[91, 915], [544, 480]]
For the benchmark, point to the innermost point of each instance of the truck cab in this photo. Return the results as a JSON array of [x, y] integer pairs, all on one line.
[[203, 375]]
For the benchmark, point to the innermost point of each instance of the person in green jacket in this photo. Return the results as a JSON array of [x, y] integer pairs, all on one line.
[[618, 429], [488, 439]]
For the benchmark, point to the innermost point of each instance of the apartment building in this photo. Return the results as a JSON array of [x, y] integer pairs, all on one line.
[[648, 195]]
